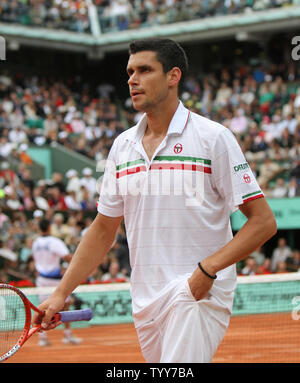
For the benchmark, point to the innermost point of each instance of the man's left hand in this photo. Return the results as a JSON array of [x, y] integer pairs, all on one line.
[[200, 284]]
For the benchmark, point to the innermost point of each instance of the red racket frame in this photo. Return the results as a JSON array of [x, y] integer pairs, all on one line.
[[27, 331]]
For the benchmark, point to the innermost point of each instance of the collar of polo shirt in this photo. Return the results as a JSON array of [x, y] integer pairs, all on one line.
[[177, 124]]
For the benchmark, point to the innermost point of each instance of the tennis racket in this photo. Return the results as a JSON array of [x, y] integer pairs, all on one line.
[[15, 319]]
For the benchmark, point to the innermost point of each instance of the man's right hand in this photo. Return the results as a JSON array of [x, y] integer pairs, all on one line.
[[51, 306]]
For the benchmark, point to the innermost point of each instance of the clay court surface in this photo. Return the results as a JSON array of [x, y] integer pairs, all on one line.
[[251, 339]]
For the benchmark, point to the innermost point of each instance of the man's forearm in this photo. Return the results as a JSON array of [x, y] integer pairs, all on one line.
[[260, 227], [256, 231]]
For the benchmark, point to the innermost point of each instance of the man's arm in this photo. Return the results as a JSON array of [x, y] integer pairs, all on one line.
[[259, 228], [88, 255]]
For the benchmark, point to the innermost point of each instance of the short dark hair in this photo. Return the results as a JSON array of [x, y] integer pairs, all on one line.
[[169, 53], [44, 225]]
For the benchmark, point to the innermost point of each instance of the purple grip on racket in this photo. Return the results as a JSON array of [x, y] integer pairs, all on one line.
[[76, 315]]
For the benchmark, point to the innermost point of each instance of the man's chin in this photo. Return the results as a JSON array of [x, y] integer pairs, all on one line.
[[138, 107]]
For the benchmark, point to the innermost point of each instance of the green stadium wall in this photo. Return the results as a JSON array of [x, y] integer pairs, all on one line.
[[286, 211], [60, 159]]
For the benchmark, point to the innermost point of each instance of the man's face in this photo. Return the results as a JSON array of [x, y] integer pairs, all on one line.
[[148, 84]]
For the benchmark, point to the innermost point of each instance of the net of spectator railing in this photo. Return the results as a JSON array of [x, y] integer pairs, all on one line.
[[264, 327]]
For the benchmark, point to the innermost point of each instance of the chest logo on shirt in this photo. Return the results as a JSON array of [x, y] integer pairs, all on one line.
[[178, 148], [247, 178]]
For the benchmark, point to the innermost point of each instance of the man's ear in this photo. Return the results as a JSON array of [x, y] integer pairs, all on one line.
[[174, 76]]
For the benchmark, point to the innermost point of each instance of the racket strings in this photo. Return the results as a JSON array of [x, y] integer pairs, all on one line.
[[12, 319]]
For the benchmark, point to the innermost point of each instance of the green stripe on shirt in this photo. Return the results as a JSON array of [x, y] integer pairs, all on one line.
[[130, 163], [182, 159], [251, 194]]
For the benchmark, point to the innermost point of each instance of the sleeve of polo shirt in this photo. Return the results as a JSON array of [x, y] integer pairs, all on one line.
[[232, 175], [110, 201]]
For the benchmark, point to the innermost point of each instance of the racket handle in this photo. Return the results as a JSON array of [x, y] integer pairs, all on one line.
[[76, 315]]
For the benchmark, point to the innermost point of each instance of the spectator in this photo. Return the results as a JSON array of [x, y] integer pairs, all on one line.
[[250, 267], [25, 258], [17, 135], [265, 268], [280, 253], [58, 228], [38, 215], [89, 182], [26, 177], [107, 260], [56, 199], [26, 197], [280, 190], [6, 147], [73, 182], [291, 123], [295, 171], [294, 152], [239, 122], [23, 155], [71, 201], [4, 221], [259, 256], [276, 152], [268, 171], [293, 261], [7, 175], [38, 197], [12, 200], [85, 200], [57, 182], [293, 188], [114, 275], [122, 251], [50, 124], [223, 95], [281, 267]]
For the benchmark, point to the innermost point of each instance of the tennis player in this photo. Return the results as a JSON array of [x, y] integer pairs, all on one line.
[[48, 254], [175, 177]]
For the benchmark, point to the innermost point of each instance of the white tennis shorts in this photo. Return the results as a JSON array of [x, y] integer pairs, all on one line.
[[185, 330]]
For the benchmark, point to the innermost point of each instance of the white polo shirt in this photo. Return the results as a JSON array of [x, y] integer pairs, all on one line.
[[177, 205]]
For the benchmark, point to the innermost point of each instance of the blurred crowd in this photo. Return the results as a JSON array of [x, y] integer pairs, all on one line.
[[20, 192], [39, 111], [18, 232], [120, 15], [283, 260], [70, 15]]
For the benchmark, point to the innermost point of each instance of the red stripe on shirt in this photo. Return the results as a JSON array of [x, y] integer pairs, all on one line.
[[192, 167], [128, 172], [254, 197]]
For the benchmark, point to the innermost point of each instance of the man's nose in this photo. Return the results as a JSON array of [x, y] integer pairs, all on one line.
[[133, 79]]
